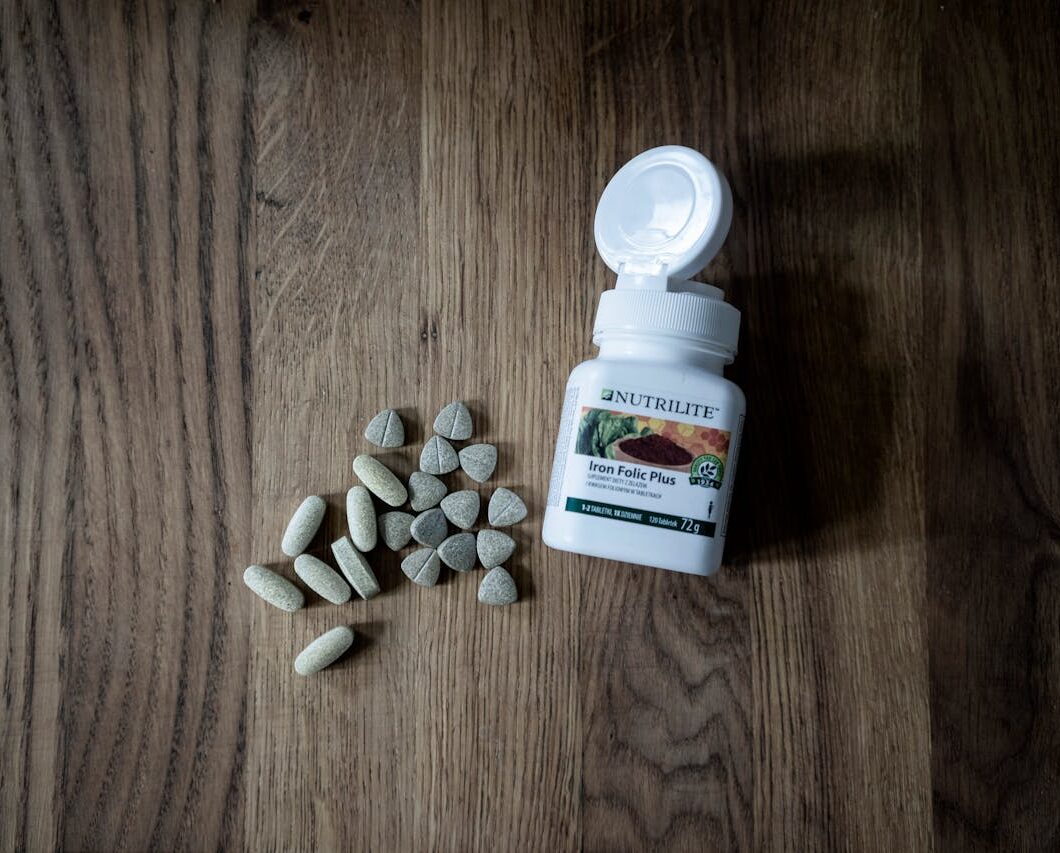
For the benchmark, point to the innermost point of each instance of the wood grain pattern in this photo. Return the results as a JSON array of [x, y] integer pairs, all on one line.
[[125, 313], [992, 216], [233, 231], [668, 711]]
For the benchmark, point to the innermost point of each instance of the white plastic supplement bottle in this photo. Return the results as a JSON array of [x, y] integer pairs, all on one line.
[[650, 429]]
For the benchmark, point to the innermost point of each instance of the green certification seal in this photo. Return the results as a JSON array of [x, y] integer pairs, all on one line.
[[707, 471]]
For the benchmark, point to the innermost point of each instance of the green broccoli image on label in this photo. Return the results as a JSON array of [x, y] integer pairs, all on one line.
[[599, 430]]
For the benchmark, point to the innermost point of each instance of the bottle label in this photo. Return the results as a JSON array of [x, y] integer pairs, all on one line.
[[642, 457], [566, 427]]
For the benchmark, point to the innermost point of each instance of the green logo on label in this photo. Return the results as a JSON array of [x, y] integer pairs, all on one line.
[[707, 471], [606, 394]]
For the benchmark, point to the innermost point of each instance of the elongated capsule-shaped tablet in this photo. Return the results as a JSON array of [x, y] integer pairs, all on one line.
[[273, 589], [355, 567], [324, 651], [361, 517], [303, 526], [380, 480], [321, 578]]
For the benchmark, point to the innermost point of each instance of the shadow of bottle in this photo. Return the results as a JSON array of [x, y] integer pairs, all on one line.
[[826, 291], [820, 418]]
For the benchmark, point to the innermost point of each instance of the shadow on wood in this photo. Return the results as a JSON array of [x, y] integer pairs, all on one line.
[[822, 393]]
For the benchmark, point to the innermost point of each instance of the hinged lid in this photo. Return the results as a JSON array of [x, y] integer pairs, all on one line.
[[662, 217]]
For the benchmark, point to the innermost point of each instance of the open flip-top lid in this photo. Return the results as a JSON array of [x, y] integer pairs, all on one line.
[[662, 218]]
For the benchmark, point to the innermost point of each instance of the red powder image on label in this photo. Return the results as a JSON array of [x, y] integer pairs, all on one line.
[[655, 450]]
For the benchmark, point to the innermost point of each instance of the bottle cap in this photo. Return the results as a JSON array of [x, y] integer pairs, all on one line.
[[663, 215], [660, 220]]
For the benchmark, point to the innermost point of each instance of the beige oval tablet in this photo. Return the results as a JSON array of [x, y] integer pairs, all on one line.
[[322, 579], [303, 526], [324, 651], [273, 589], [380, 480], [355, 567], [360, 514]]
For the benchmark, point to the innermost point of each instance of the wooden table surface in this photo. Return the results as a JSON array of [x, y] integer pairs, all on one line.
[[230, 232]]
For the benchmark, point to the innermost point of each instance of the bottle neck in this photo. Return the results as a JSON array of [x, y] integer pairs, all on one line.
[[662, 349]]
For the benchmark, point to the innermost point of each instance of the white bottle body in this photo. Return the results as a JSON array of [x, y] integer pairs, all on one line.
[[619, 499]]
